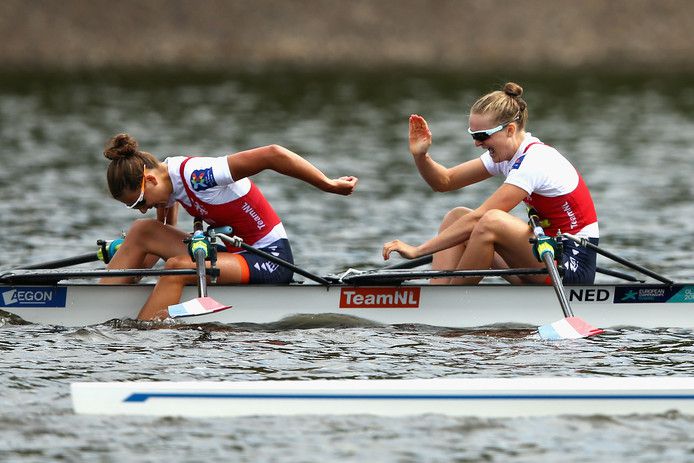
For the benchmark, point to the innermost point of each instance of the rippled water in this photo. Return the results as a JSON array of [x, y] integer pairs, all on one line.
[[632, 138]]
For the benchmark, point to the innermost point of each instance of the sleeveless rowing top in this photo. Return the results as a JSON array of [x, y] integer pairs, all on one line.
[[206, 189], [555, 188]]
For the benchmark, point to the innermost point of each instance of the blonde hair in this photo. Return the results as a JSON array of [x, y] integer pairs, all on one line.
[[127, 164], [504, 105]]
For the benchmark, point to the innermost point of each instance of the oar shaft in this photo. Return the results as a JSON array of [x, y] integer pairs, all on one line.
[[67, 262], [548, 259], [390, 275], [20, 276], [286, 264], [200, 271], [587, 244], [199, 247], [558, 287], [615, 273], [275, 259]]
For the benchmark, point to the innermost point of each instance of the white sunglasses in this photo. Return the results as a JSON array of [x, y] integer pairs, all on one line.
[[482, 135], [140, 201]]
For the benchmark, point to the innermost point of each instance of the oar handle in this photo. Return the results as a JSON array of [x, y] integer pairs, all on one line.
[[412, 263], [200, 272]]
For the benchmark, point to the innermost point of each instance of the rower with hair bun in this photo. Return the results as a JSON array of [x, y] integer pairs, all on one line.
[[535, 173], [217, 190]]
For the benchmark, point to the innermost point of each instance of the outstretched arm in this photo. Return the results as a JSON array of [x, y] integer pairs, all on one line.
[[437, 176], [280, 159], [505, 198]]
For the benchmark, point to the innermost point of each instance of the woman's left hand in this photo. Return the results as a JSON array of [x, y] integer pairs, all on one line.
[[420, 136]]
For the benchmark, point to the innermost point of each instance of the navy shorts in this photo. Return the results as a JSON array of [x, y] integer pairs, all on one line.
[[579, 263], [258, 270]]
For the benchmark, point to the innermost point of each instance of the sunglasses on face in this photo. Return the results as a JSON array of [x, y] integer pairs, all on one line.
[[482, 135], [140, 201]]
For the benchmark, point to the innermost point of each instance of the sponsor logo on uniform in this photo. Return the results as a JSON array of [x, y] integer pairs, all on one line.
[[202, 179], [248, 209], [573, 264], [379, 298], [201, 210], [266, 267], [518, 162], [573, 221], [43, 296]]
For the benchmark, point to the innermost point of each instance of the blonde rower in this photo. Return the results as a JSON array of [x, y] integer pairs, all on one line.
[[488, 236]]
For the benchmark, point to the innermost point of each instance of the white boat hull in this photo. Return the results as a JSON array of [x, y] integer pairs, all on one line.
[[501, 397], [646, 306]]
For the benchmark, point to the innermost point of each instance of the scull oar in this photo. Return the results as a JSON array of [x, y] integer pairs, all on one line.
[[424, 260], [52, 276], [395, 276], [201, 250], [238, 242], [569, 327], [105, 252], [411, 263], [588, 245], [66, 262]]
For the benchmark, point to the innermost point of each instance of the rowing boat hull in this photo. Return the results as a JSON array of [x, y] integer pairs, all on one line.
[[647, 306], [483, 397]]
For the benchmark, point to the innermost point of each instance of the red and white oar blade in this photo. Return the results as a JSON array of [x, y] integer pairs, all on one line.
[[568, 328], [198, 306]]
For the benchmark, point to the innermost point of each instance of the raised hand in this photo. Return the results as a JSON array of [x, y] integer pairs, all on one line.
[[420, 135]]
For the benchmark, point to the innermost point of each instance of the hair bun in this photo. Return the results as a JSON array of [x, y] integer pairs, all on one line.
[[512, 89], [121, 146]]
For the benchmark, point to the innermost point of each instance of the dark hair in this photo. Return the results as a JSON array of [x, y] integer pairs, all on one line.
[[127, 164], [504, 105]]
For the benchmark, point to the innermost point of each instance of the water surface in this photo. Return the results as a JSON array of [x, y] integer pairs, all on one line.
[[631, 138]]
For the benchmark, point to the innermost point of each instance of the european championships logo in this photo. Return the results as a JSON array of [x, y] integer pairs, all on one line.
[[202, 179]]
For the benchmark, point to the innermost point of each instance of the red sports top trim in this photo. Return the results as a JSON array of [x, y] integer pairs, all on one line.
[[569, 213]]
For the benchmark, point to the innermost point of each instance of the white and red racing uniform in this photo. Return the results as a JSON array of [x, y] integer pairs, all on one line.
[[555, 188], [561, 198], [205, 188]]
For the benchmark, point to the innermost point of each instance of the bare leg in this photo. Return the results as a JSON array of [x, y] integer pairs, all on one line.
[[499, 232], [448, 258], [169, 289], [146, 237]]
